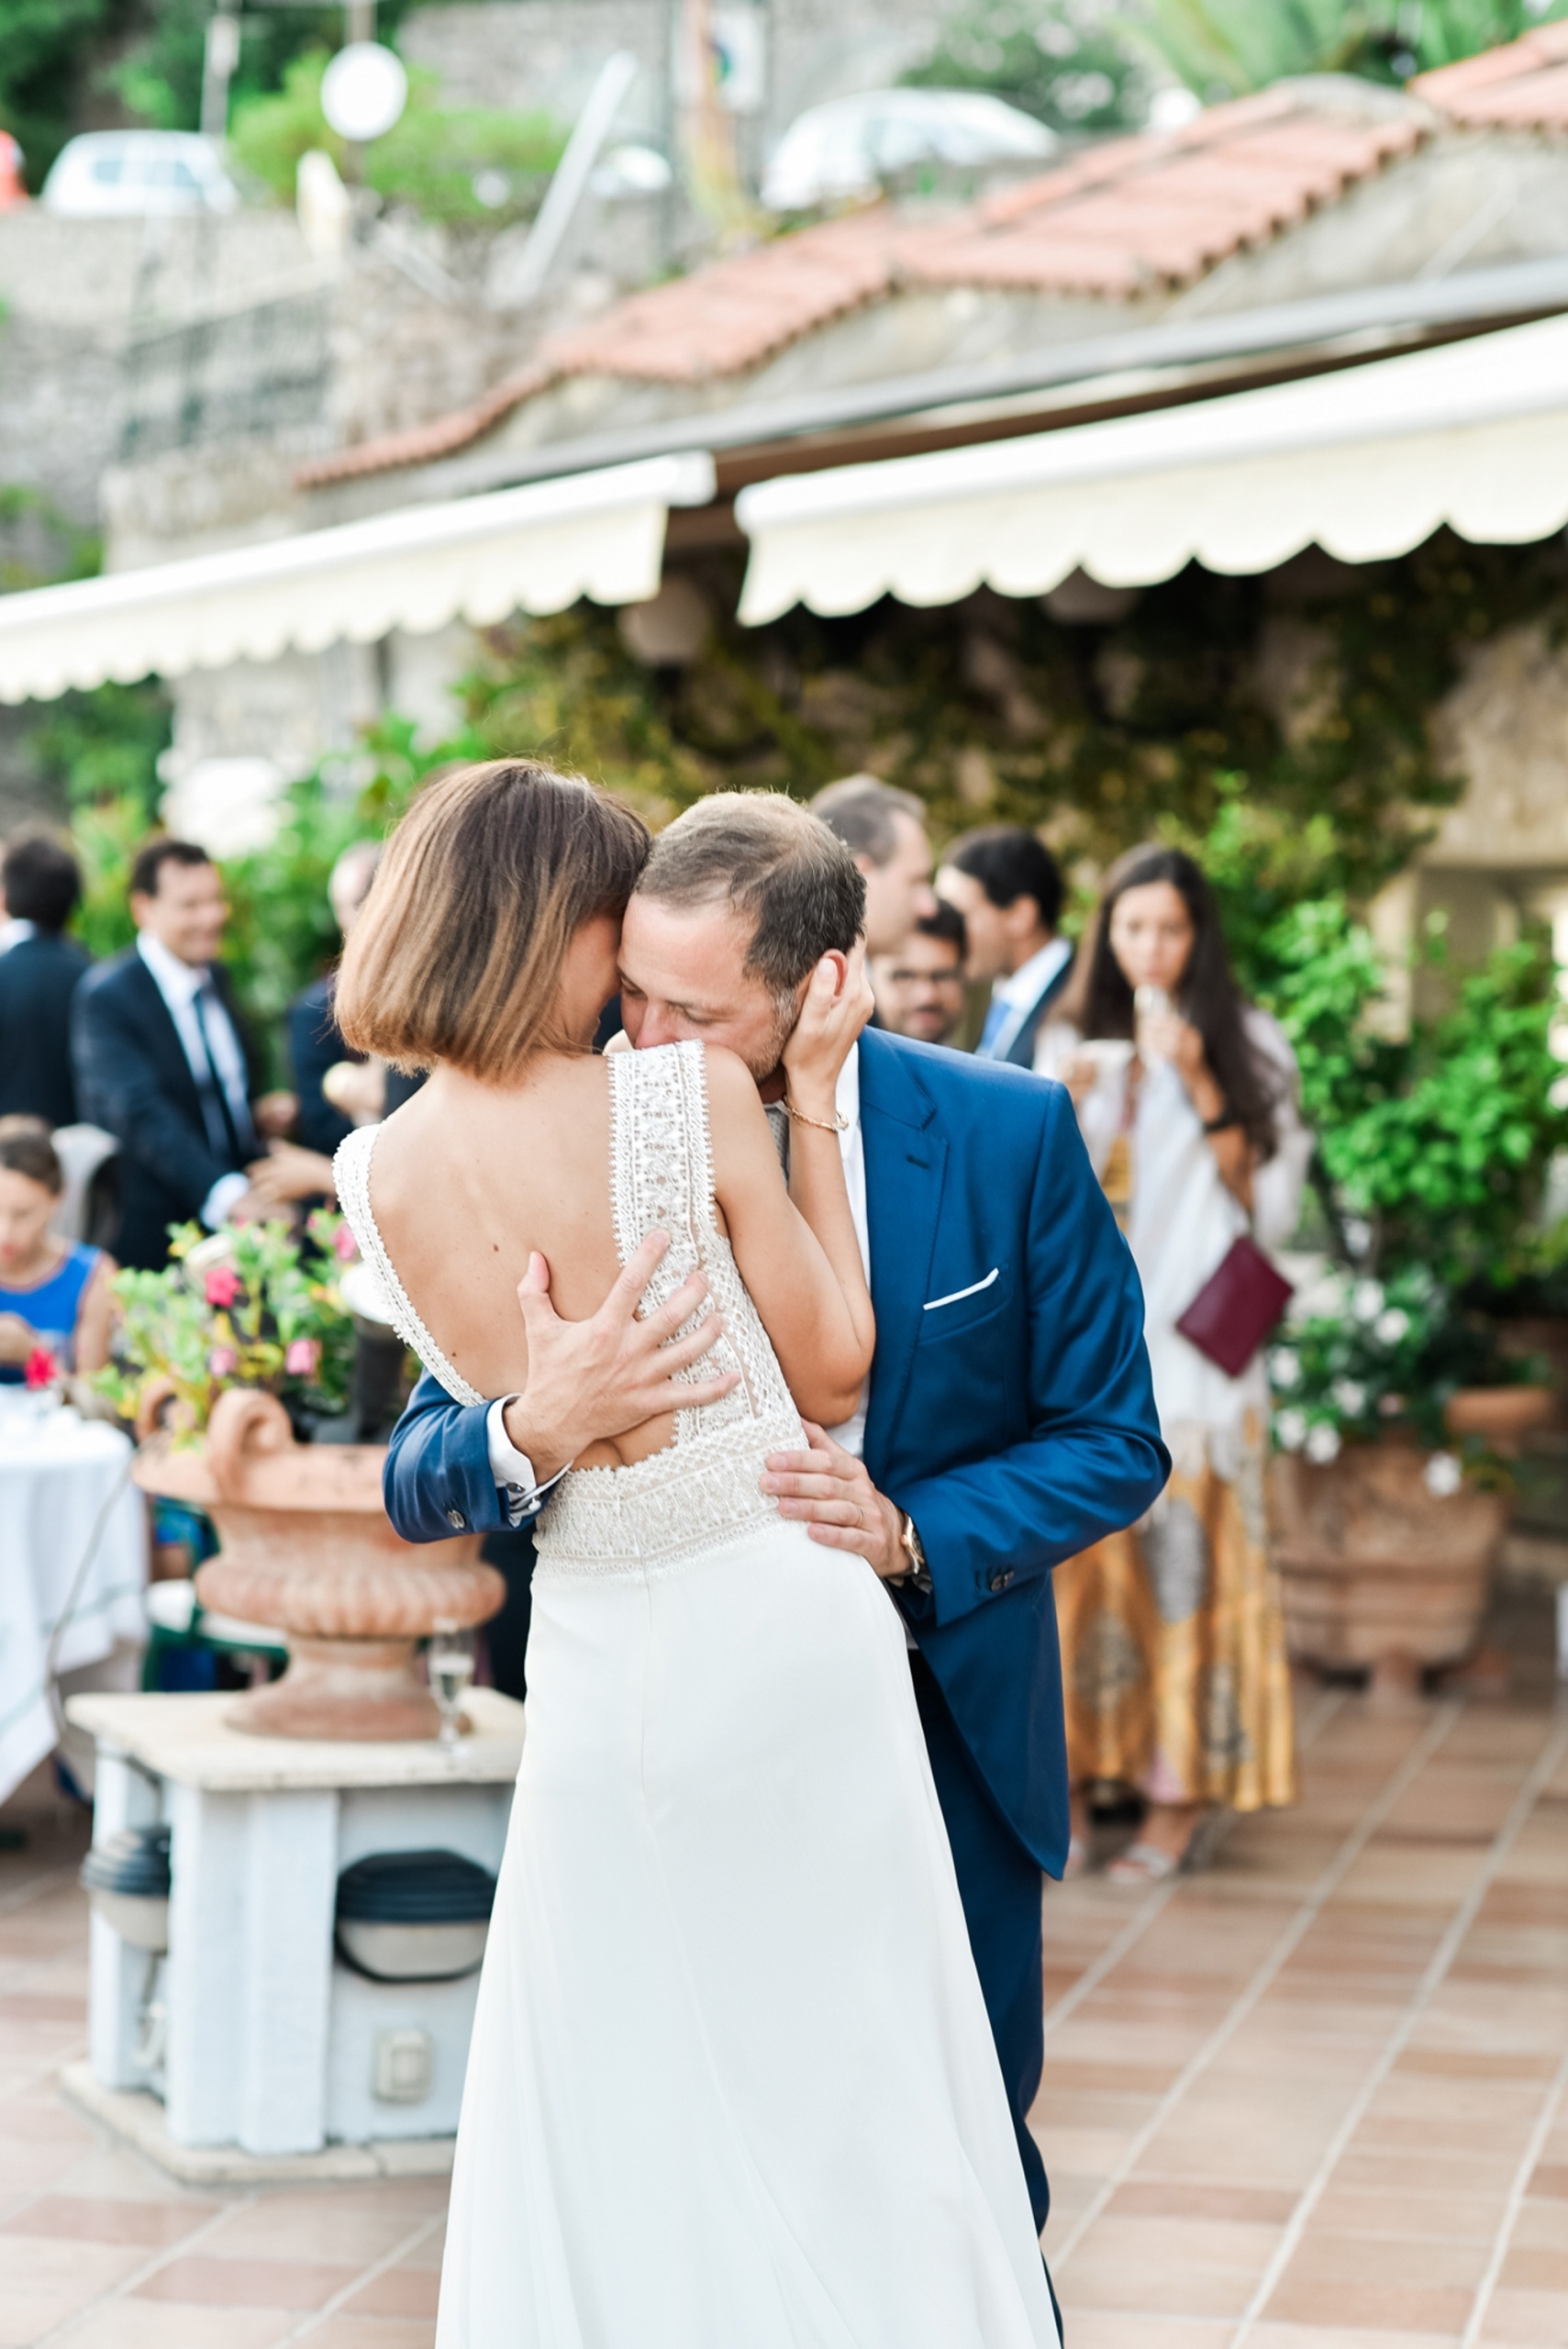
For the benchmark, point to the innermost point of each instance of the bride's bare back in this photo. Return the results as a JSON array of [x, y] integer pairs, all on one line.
[[470, 1179]]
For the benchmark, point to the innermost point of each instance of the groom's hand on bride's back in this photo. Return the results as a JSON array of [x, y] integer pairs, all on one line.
[[594, 1379]]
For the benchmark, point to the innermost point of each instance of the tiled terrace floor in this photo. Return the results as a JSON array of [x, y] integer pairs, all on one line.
[[1316, 2098]]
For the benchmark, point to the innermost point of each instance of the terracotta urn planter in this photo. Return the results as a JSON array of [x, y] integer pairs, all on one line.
[[307, 1549], [1501, 1415], [1375, 1568]]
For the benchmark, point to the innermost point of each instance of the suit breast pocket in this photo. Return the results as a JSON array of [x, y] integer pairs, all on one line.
[[953, 1312]]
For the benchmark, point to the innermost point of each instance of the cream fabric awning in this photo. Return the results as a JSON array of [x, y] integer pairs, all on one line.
[[1366, 462], [535, 549]]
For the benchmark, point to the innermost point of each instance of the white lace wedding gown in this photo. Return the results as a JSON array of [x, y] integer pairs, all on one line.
[[731, 2083]]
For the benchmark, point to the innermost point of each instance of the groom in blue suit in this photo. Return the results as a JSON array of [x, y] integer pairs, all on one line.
[[1009, 1420]]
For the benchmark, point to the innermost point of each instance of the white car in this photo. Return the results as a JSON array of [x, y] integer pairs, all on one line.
[[108, 172], [850, 144]]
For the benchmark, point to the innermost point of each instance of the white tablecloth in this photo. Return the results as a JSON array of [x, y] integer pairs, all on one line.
[[59, 1475]]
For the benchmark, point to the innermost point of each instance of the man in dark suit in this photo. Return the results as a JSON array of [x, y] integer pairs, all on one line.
[[1008, 1421], [41, 970], [1008, 886], [161, 1059]]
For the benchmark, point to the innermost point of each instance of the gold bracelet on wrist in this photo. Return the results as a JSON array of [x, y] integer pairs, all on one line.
[[838, 1125]]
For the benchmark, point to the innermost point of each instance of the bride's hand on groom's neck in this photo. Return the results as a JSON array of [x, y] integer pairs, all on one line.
[[837, 1004], [591, 1380]]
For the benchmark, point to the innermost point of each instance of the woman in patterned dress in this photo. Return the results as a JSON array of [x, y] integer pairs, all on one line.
[[1172, 1641]]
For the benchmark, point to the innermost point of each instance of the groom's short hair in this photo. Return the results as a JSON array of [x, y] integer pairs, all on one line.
[[771, 860]]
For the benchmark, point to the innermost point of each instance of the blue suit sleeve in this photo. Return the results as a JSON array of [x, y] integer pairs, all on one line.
[[437, 1480], [1092, 1461]]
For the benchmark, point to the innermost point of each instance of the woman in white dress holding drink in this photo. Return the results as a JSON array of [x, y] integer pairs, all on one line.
[[732, 2085]]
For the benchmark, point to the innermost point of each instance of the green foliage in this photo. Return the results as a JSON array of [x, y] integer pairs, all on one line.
[[160, 76], [1224, 48], [1440, 1139], [49, 54], [429, 160], [244, 1307], [45, 546], [1058, 62]]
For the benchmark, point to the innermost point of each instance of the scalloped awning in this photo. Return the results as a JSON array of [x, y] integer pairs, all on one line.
[[535, 549], [1366, 464]]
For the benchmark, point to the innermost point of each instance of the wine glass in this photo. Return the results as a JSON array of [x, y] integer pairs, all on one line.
[[449, 1659]]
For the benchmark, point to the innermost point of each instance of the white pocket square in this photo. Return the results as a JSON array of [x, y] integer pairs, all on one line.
[[954, 1296]]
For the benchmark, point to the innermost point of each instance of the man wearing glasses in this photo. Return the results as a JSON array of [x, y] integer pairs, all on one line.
[[919, 990]]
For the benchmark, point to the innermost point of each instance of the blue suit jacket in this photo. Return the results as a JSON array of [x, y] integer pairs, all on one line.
[[1011, 1411]]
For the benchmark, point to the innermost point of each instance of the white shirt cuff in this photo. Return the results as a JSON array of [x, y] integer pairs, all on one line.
[[222, 1197], [510, 1467], [515, 1480]]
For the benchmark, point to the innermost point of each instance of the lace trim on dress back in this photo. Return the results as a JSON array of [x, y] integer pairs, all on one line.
[[351, 1166]]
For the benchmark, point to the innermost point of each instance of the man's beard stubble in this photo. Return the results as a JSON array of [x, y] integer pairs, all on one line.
[[767, 1061]]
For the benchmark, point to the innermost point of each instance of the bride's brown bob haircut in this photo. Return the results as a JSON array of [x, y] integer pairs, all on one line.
[[456, 953]]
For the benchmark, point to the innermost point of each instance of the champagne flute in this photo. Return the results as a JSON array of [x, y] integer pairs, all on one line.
[[1148, 1002], [449, 1659]]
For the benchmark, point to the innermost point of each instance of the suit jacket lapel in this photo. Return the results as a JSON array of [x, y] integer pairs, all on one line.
[[1020, 1051], [906, 1161], [163, 1041]]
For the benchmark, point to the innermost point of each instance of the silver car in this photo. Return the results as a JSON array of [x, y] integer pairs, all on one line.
[[108, 172]]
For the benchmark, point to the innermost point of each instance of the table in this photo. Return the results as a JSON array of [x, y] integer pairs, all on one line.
[[265, 2040], [59, 1477]]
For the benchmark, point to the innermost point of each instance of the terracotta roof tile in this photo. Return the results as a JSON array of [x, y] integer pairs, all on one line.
[[737, 312], [1523, 87], [421, 444], [1155, 208]]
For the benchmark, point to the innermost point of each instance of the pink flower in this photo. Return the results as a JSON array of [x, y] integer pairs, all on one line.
[[41, 1369], [222, 1287], [345, 1247], [222, 1361], [301, 1356]]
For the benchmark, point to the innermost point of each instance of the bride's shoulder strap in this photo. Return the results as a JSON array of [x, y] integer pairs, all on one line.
[[352, 1168]]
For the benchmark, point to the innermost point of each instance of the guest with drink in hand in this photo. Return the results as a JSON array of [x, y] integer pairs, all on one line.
[[56, 1304], [1171, 1636]]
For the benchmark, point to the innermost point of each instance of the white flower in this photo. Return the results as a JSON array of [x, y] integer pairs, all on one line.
[[1284, 1367], [207, 1254], [1322, 1300], [1392, 1324], [1349, 1397], [1357, 1234], [1323, 1445], [1291, 1429], [1443, 1475], [1366, 1301]]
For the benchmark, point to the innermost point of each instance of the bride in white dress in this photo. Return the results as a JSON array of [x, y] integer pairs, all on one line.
[[731, 2085]]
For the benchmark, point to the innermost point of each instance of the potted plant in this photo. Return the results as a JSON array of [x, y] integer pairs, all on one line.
[[223, 1360], [1397, 1398]]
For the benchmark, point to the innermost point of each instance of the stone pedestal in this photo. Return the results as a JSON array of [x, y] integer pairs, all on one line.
[[265, 2041]]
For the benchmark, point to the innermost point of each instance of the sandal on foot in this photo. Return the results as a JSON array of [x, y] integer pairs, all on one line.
[[1142, 1864]]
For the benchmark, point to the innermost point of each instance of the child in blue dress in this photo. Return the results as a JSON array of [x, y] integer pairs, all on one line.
[[55, 1297]]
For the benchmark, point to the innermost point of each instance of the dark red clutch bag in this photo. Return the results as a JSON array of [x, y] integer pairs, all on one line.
[[1237, 1308]]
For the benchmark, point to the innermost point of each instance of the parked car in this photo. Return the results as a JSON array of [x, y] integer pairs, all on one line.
[[104, 172], [848, 146]]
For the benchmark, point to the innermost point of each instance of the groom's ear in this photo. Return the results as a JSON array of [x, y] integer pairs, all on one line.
[[840, 970]]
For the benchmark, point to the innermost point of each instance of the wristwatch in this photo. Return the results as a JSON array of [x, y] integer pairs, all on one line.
[[917, 1574]]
